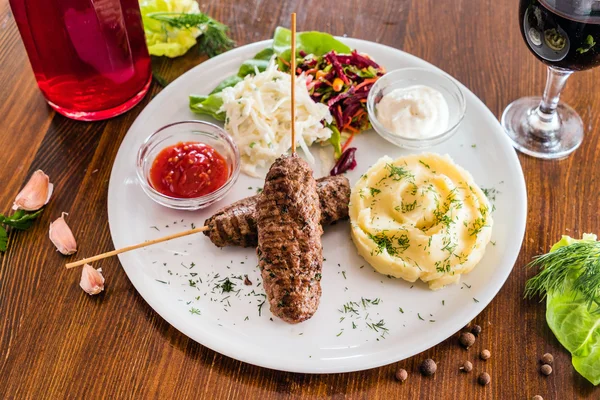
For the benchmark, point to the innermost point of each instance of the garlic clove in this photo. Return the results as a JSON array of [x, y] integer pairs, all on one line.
[[35, 194], [62, 237], [92, 281]]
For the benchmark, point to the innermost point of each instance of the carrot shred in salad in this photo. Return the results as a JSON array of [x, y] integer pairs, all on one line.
[[342, 82]]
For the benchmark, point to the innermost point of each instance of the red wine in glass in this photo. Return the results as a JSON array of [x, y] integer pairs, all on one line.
[[563, 34], [89, 57]]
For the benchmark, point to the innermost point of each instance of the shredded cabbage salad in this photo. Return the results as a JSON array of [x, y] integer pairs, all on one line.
[[258, 117]]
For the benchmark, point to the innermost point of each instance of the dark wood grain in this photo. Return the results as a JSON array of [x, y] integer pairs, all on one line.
[[56, 342]]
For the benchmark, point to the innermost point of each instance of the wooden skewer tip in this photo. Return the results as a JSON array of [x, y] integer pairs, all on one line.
[[135, 246]]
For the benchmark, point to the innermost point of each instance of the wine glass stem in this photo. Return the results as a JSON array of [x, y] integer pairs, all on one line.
[[544, 120]]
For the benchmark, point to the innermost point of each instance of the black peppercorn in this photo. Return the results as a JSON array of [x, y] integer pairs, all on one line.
[[466, 339], [546, 369], [428, 367], [476, 330], [484, 379], [547, 359], [401, 375]]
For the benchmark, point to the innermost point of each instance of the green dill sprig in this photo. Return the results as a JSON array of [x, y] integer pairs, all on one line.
[[214, 39], [578, 263]]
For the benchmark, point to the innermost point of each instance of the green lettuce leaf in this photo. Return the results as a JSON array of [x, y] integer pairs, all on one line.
[[316, 43], [259, 62], [575, 325], [162, 39], [208, 105], [335, 140]]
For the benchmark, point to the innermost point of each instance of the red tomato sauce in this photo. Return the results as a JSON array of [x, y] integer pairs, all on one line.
[[187, 170]]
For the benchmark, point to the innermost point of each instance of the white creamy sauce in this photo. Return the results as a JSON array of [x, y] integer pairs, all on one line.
[[416, 112]]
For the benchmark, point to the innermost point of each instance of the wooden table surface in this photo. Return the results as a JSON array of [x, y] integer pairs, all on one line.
[[57, 342]]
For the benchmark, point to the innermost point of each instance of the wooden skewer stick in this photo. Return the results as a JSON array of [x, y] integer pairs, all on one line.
[[293, 76], [135, 246]]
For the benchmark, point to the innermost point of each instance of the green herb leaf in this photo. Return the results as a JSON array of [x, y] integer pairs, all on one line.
[[315, 43], [20, 219], [214, 39], [574, 267], [569, 278], [3, 239]]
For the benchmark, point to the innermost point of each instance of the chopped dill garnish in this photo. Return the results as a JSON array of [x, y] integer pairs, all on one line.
[[479, 223], [226, 285], [353, 325], [490, 193], [421, 318], [426, 165], [557, 271], [194, 311], [406, 207], [398, 173], [350, 307], [155, 227], [403, 242], [401, 310], [374, 191], [339, 334], [344, 273], [158, 280], [378, 326], [383, 242]]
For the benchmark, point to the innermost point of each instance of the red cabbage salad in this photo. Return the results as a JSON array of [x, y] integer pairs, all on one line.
[[337, 76]]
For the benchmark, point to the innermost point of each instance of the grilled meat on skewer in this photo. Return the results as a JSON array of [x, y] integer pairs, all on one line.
[[235, 225], [289, 250]]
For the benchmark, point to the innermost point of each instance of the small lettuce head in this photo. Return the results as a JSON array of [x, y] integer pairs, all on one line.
[[162, 39]]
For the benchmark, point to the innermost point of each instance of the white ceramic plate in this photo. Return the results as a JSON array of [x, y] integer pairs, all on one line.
[[179, 278]]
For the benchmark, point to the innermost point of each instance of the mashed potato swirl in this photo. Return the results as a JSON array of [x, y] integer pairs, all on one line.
[[420, 217]]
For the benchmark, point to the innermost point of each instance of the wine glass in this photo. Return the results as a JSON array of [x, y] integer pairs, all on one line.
[[565, 35]]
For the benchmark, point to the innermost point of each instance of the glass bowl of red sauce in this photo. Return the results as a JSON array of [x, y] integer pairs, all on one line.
[[188, 165]]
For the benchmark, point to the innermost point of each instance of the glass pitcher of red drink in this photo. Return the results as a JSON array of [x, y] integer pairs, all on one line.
[[89, 57]]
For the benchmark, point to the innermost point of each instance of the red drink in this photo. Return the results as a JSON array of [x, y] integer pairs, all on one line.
[[89, 57]]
